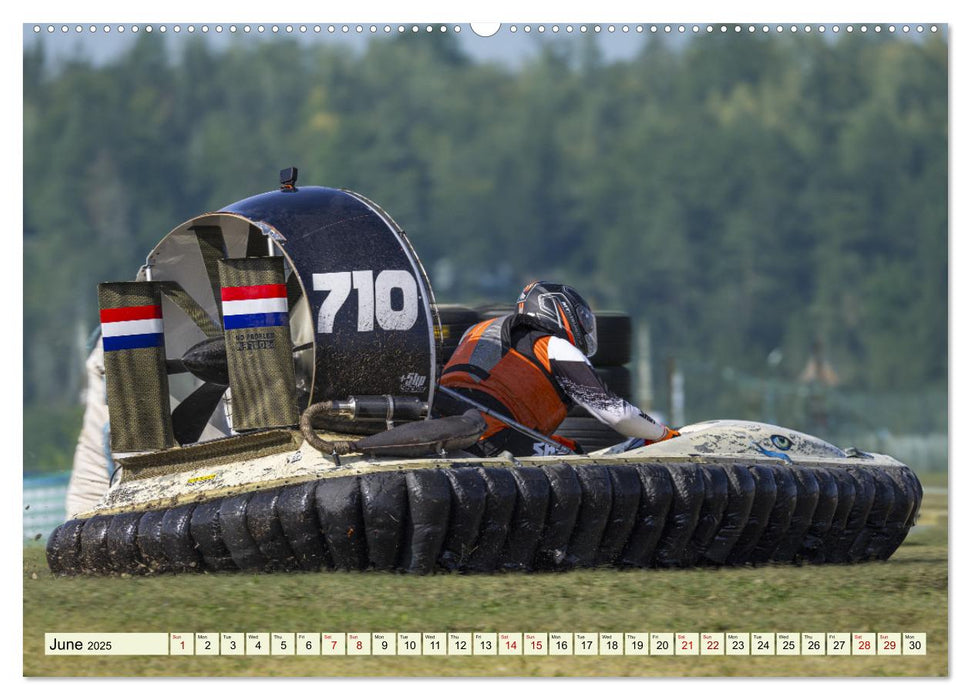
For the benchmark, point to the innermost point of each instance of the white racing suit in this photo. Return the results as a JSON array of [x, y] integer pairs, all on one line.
[[92, 461]]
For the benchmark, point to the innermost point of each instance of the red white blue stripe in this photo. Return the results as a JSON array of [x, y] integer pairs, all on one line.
[[255, 306], [131, 327]]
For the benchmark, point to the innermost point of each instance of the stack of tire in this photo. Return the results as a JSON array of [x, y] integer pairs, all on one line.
[[610, 363], [455, 319]]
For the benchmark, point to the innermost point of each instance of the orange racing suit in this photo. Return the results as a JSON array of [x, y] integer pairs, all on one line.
[[533, 377]]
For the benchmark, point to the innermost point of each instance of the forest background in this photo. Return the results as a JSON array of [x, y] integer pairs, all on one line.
[[754, 200]]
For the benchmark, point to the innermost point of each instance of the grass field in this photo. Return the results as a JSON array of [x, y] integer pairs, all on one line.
[[906, 594]]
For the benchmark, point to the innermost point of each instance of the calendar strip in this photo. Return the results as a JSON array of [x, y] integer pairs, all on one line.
[[690, 644]]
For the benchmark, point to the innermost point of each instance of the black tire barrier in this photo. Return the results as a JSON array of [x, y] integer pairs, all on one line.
[[613, 334], [617, 379], [458, 315], [455, 319], [487, 311], [613, 339], [477, 518]]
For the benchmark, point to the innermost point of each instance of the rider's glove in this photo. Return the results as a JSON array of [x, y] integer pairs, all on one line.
[[568, 443], [668, 434]]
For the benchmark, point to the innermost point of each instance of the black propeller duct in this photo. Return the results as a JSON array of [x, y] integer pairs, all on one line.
[[280, 300]]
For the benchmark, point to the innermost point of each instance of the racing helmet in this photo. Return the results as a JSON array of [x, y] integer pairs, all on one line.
[[557, 307]]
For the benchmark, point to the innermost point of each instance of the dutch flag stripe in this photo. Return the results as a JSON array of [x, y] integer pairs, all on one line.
[[255, 306], [131, 327], [130, 313], [120, 328], [255, 291], [131, 342], [254, 321]]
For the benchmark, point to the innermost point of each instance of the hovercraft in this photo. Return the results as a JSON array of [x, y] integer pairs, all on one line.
[[269, 375]]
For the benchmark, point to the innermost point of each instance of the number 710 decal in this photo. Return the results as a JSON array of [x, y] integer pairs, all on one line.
[[374, 299]]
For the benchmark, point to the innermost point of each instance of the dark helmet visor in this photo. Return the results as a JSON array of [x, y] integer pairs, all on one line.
[[588, 324]]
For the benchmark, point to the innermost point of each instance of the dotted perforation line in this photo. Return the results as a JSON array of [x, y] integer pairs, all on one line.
[[247, 28], [717, 28], [512, 29]]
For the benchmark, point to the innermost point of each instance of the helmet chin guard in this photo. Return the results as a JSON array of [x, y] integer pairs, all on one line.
[[558, 308]]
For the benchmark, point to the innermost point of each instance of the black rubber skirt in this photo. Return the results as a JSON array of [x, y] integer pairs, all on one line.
[[478, 518]]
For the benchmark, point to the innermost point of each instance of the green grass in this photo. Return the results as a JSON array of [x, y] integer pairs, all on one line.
[[906, 594], [933, 479]]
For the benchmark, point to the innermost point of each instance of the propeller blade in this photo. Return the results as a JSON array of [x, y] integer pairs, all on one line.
[[212, 247], [294, 290], [256, 243], [191, 308], [207, 361], [190, 417], [175, 367]]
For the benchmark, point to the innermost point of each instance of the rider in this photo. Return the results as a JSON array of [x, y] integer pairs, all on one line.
[[531, 366]]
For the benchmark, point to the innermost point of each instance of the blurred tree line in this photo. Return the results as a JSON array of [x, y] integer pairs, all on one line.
[[741, 193]]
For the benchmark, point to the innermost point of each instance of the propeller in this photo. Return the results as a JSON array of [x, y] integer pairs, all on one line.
[[255, 294], [206, 361], [190, 417]]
